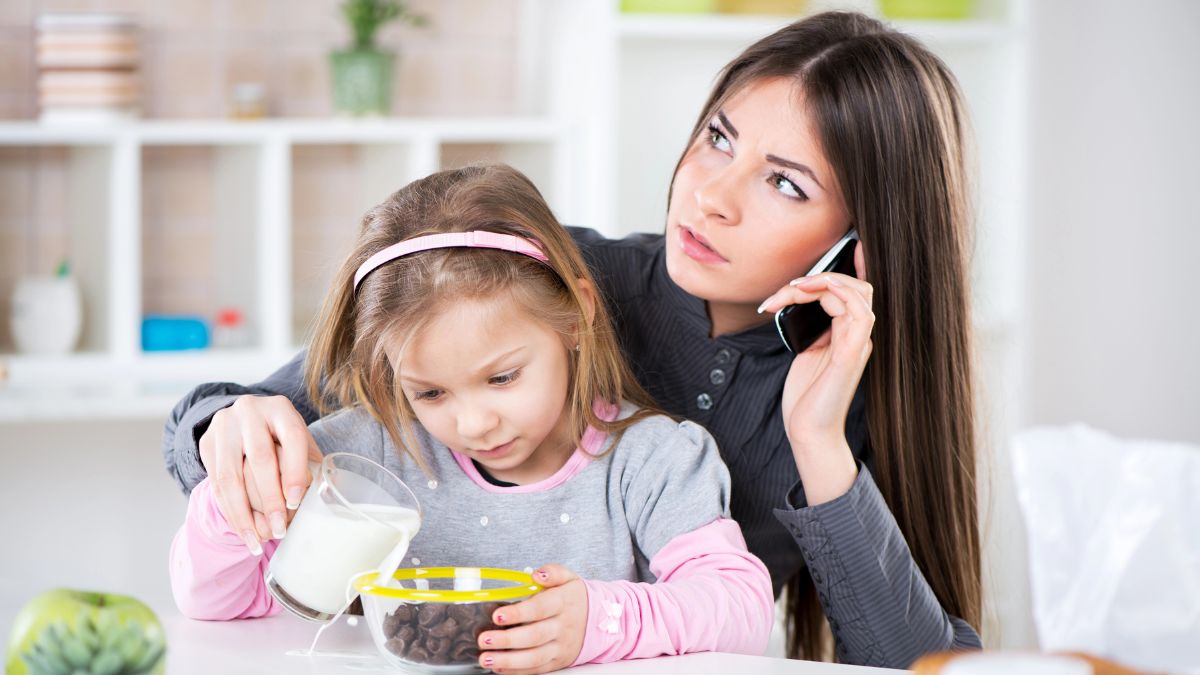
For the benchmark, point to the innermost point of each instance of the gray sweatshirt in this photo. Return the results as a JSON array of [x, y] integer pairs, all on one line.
[[603, 517]]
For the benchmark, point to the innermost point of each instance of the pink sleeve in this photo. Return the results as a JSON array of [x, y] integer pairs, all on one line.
[[213, 574], [711, 595]]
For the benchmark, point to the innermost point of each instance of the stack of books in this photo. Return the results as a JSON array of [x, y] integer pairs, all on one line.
[[88, 67]]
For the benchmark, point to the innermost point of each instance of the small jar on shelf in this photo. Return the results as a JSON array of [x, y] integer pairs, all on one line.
[[229, 329]]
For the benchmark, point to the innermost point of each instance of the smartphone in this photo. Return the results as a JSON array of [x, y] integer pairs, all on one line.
[[800, 325]]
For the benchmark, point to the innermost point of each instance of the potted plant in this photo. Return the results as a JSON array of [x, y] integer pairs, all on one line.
[[362, 74]]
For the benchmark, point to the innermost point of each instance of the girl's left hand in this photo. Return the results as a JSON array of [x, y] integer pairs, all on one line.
[[822, 380], [547, 629]]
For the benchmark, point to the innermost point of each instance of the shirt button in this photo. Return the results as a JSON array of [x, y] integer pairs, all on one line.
[[723, 356], [704, 402], [717, 376]]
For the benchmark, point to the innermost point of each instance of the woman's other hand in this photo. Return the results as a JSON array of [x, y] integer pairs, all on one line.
[[547, 629], [822, 380], [256, 453]]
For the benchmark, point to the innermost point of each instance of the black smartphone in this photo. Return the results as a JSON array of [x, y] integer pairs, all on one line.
[[800, 325]]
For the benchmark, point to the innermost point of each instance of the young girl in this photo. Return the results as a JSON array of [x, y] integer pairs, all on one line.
[[465, 349]]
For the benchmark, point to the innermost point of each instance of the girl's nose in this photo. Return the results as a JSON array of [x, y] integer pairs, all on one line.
[[475, 421]]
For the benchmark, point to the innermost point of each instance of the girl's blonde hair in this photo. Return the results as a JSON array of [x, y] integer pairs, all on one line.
[[890, 118], [348, 363]]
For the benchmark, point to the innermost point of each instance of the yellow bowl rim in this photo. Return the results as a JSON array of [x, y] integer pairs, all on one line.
[[365, 585]]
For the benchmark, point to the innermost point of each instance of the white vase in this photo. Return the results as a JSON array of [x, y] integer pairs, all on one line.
[[47, 315]]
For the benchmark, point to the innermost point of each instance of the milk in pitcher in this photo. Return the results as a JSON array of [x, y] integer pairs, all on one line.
[[327, 544]]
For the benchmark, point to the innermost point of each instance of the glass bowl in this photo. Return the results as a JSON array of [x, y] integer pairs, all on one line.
[[429, 619]]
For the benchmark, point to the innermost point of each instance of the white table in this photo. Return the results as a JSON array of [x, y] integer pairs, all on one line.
[[262, 646], [106, 521]]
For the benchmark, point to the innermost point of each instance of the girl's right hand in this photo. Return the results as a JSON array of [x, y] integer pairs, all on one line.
[[541, 634], [256, 453]]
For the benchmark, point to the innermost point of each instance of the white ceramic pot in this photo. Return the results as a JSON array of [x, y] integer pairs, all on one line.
[[47, 315]]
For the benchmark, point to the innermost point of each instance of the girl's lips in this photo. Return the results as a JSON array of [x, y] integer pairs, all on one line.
[[696, 248], [498, 451]]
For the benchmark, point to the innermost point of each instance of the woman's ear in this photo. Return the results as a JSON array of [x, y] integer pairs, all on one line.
[[588, 298], [860, 261]]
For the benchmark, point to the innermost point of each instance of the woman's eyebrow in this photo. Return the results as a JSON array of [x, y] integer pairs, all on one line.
[[794, 165], [728, 125], [773, 159]]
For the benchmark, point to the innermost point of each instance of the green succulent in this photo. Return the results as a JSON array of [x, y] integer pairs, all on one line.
[[100, 645], [368, 16]]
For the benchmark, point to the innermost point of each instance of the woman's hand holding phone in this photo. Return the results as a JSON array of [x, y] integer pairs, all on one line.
[[823, 378]]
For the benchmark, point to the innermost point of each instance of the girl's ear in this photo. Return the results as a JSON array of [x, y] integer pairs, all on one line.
[[588, 297]]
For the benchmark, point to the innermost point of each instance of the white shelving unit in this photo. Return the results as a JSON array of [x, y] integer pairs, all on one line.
[[253, 165]]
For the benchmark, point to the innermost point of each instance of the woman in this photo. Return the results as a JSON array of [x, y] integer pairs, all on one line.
[[853, 463]]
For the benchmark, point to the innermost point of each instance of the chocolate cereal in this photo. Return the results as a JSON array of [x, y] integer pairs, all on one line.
[[438, 634]]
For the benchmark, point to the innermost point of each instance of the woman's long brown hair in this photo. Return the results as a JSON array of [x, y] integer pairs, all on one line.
[[890, 118]]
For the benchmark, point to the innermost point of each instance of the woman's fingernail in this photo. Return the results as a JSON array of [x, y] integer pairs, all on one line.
[[801, 280], [543, 576], [278, 524], [487, 641], [762, 307], [293, 497], [488, 661], [499, 618], [834, 282], [252, 543]]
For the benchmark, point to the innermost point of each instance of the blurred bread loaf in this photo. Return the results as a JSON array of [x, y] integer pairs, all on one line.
[[1000, 663]]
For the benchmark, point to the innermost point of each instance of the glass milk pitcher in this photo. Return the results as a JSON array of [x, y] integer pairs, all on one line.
[[355, 516]]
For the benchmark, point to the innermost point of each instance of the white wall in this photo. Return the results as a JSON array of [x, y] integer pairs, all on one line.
[[1111, 318], [84, 505], [1115, 130]]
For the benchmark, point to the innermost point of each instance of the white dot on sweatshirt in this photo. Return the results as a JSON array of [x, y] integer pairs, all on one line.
[[416, 561], [432, 484], [564, 518], [483, 521]]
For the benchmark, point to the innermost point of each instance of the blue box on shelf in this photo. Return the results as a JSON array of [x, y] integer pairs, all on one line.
[[167, 333]]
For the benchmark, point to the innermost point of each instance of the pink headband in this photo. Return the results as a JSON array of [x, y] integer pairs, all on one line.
[[476, 239]]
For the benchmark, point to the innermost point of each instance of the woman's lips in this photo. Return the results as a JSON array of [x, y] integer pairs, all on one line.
[[696, 248]]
